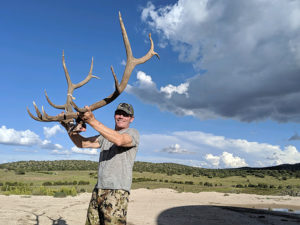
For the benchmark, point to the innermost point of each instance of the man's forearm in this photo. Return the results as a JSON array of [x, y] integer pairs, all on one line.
[[77, 139], [110, 134]]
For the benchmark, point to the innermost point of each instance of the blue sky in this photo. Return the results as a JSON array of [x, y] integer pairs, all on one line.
[[225, 92]]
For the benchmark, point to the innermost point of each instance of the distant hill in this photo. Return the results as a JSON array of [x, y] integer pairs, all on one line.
[[284, 170], [51, 165]]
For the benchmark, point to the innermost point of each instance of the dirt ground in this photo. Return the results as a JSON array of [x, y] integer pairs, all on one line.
[[156, 207]]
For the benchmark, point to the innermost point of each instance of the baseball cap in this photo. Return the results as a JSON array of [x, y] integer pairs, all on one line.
[[126, 108]]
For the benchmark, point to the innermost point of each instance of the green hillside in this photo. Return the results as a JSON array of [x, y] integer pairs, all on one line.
[[285, 170], [69, 177]]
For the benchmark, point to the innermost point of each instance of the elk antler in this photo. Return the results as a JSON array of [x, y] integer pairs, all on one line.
[[130, 64], [69, 115], [119, 88]]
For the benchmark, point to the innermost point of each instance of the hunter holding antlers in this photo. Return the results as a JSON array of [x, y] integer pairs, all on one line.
[[109, 200]]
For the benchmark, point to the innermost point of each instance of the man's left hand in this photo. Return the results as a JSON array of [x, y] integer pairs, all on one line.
[[88, 116]]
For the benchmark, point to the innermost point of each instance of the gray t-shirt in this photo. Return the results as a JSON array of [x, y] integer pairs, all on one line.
[[116, 163]]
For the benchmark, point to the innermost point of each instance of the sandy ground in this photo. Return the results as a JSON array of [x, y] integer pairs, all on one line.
[[156, 207]]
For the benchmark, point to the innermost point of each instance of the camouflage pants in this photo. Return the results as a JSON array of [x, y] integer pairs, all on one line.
[[107, 207]]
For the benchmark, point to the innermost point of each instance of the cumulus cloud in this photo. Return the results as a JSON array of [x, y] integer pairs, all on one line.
[[176, 149], [249, 49], [12, 137], [146, 89], [289, 154], [213, 160], [51, 131], [9, 136], [170, 89], [85, 151], [216, 151], [227, 159]]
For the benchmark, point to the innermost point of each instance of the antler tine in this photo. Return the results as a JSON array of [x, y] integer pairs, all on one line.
[[45, 115], [125, 38], [66, 70], [54, 105], [149, 54], [37, 111], [116, 79], [88, 77], [130, 64], [32, 116]]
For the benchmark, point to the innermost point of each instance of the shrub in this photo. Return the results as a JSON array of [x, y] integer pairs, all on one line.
[[261, 185], [47, 183], [64, 191], [59, 194], [82, 190], [259, 175], [208, 184], [189, 182], [82, 182], [42, 191], [20, 172], [17, 190]]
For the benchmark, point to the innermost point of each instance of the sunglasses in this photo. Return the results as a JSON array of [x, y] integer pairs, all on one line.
[[121, 112]]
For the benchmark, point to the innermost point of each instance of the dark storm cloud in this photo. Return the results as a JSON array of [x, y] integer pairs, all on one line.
[[250, 50]]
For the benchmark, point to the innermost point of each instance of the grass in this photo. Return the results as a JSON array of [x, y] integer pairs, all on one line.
[[31, 183]]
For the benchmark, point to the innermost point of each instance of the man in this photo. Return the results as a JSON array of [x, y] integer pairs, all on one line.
[[108, 205]]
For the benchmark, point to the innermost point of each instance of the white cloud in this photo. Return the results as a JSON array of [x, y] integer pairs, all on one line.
[[51, 131], [180, 89], [213, 160], [12, 137], [225, 160], [289, 154], [146, 89], [216, 151], [85, 151], [230, 161], [249, 49], [9, 136], [144, 79], [176, 149]]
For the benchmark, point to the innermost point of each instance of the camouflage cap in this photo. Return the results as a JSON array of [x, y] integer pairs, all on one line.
[[126, 108]]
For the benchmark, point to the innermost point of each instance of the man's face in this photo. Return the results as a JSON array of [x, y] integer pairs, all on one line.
[[122, 120]]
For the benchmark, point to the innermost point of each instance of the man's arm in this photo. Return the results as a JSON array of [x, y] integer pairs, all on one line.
[[83, 142], [124, 140]]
